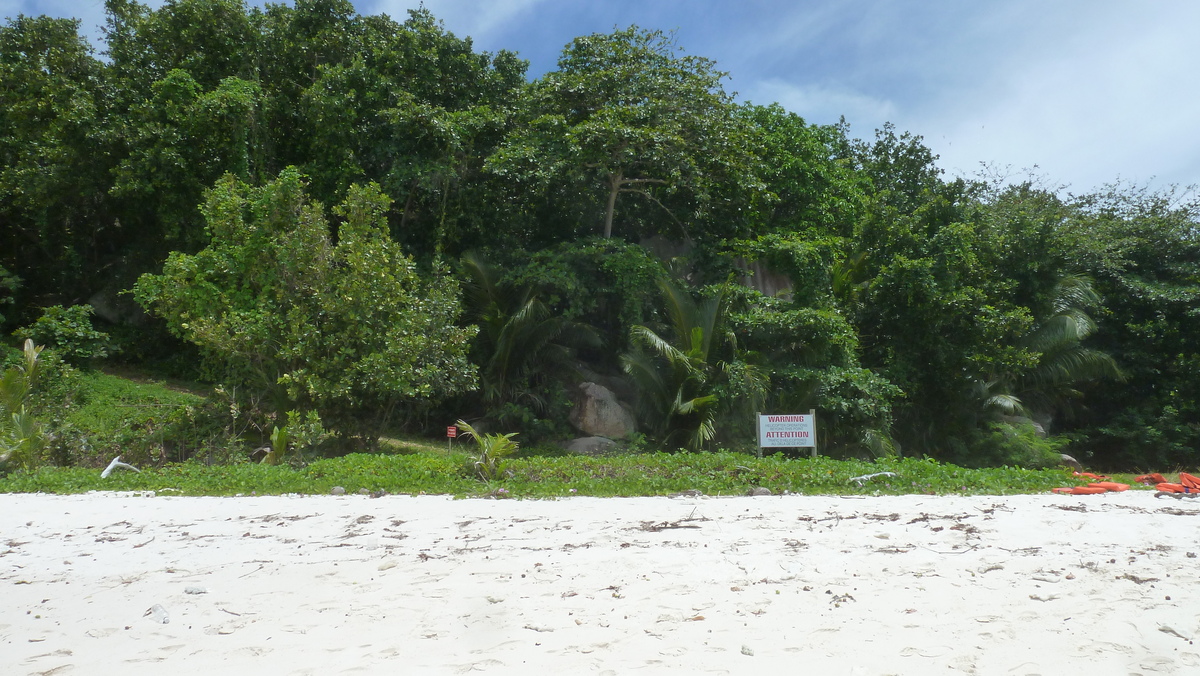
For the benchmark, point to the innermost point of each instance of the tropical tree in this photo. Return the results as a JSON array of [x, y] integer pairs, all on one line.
[[349, 330], [55, 224], [677, 378], [522, 345], [810, 184], [1142, 248], [628, 113], [1063, 362], [810, 355]]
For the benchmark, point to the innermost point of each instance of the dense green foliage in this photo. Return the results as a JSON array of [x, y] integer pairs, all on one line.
[[554, 476], [69, 331], [347, 222], [23, 437], [347, 330]]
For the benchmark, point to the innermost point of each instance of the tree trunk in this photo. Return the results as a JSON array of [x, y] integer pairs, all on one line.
[[614, 187]]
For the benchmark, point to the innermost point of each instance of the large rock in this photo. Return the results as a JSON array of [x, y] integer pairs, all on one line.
[[599, 413], [592, 446], [1071, 462]]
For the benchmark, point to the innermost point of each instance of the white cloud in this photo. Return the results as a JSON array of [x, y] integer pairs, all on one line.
[[89, 12], [1087, 91], [824, 104], [1114, 95], [478, 20]]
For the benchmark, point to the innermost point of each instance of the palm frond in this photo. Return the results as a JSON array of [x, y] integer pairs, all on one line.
[[1072, 364], [1074, 292], [1004, 403], [878, 442], [646, 338]]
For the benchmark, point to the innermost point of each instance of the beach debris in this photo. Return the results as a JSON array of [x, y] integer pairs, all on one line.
[[747, 651], [337, 490], [759, 491], [839, 599], [115, 464], [363, 491], [1070, 508], [867, 477], [690, 493], [665, 525], [1167, 629], [157, 613], [195, 590]]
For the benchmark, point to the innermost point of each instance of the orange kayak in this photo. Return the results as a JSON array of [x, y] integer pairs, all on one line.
[[1093, 488], [1081, 490]]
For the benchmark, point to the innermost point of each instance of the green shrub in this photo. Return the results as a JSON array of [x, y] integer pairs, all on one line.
[[145, 423], [69, 332], [9, 283], [1013, 445], [23, 437]]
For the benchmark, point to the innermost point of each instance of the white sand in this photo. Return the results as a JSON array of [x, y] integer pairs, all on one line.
[[767, 585]]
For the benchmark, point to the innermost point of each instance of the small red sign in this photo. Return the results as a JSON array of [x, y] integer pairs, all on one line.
[[452, 431]]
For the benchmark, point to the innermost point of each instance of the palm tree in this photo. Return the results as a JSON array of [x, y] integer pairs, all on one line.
[[521, 343], [676, 379], [1063, 363]]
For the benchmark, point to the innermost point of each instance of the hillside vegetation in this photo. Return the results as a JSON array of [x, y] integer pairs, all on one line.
[[347, 228]]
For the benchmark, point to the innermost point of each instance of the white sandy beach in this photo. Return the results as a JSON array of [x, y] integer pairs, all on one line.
[[1046, 584]]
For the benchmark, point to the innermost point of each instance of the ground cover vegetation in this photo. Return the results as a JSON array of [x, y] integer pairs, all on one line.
[[337, 228], [553, 475]]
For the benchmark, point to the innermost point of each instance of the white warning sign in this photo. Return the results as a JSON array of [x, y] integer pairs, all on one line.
[[787, 431]]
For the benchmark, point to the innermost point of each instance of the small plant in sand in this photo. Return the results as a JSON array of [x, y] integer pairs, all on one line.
[[300, 433], [493, 448], [280, 439]]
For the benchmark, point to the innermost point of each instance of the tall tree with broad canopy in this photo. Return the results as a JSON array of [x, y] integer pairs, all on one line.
[[1142, 247], [628, 112], [349, 330], [55, 226]]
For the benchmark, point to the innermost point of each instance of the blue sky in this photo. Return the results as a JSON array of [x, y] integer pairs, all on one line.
[[1088, 91]]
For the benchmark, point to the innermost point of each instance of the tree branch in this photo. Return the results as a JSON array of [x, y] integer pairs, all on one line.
[[654, 199]]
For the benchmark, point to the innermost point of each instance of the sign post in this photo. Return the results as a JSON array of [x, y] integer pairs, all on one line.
[[758, 432], [451, 432], [788, 431]]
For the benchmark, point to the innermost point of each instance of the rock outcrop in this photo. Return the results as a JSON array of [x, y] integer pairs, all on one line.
[[592, 446], [599, 413]]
